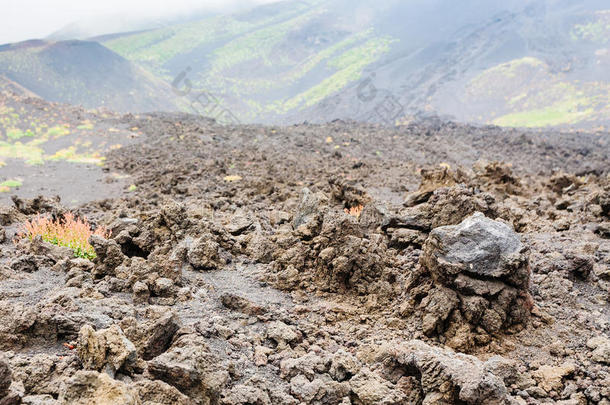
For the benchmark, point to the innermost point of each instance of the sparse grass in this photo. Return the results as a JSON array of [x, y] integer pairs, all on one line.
[[595, 31], [71, 155], [11, 183], [15, 133], [70, 232], [32, 155], [7, 185], [87, 125]]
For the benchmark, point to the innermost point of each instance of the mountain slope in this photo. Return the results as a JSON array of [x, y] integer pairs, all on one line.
[[472, 61], [505, 62], [85, 73]]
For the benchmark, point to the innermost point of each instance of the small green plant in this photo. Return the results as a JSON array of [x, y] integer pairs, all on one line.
[[69, 231], [6, 186]]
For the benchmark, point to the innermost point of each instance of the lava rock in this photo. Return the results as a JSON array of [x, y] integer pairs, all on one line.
[[601, 349], [106, 350], [445, 377], [109, 256], [203, 254], [5, 378], [479, 267], [91, 387]]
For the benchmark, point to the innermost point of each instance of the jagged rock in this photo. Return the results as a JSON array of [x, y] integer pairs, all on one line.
[[445, 377], [259, 248], [41, 373], [153, 337], [43, 399], [336, 255], [38, 205], [281, 333], [348, 192], [241, 304], [497, 177], [26, 263], [344, 366], [601, 349], [370, 389], [550, 378], [9, 215], [109, 256], [308, 366], [604, 203], [5, 378], [562, 183], [431, 180], [203, 254], [320, 390], [246, 395], [310, 210], [480, 247], [446, 206], [12, 398], [141, 294], [481, 265], [91, 387], [162, 286], [174, 216], [54, 252], [506, 369], [107, 350], [239, 223], [190, 367], [159, 393], [400, 238]]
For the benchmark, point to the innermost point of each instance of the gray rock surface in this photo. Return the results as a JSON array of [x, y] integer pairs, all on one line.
[[480, 269]]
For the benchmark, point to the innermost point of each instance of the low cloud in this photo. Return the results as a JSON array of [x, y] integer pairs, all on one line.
[[28, 19]]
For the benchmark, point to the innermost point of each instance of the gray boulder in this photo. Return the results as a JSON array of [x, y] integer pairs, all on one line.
[[484, 267], [479, 248]]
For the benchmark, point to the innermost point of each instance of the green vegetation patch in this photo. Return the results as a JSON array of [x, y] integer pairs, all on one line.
[[33, 155], [351, 64], [70, 154], [597, 30], [255, 45], [574, 107], [11, 183], [15, 133], [157, 47]]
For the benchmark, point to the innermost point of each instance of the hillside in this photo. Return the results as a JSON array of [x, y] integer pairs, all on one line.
[[84, 73], [509, 63], [533, 63]]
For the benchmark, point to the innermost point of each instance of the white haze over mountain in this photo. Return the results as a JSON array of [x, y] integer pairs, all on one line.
[[28, 19]]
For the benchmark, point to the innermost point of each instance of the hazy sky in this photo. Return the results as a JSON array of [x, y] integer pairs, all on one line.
[[27, 19]]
